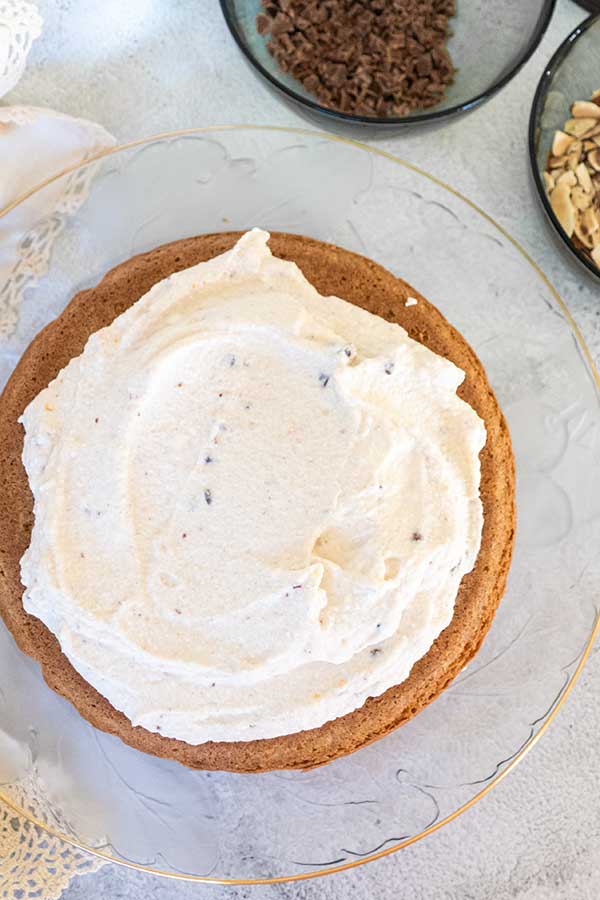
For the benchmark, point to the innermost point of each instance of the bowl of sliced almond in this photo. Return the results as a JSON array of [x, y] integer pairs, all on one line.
[[564, 142]]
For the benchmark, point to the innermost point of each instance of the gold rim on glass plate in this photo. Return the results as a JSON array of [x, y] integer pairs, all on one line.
[[303, 876]]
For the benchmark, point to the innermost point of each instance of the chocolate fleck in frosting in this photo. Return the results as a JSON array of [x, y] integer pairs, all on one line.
[[332, 271], [372, 58]]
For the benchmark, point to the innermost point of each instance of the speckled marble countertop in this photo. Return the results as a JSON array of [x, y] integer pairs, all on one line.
[[142, 67]]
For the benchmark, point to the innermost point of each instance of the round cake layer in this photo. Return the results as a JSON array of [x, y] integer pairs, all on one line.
[[284, 486], [331, 271]]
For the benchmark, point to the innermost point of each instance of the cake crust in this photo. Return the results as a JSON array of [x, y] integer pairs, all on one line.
[[332, 271]]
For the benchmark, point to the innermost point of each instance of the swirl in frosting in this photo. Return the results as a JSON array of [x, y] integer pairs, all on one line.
[[254, 505]]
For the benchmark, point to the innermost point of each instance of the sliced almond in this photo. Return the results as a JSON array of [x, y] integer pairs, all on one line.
[[549, 181], [580, 198], [583, 177], [568, 178], [578, 127], [584, 237], [557, 162], [589, 221], [572, 176], [591, 133], [593, 159], [583, 109], [561, 142], [560, 201]]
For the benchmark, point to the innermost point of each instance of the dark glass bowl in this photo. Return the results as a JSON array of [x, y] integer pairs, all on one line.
[[489, 44], [573, 73]]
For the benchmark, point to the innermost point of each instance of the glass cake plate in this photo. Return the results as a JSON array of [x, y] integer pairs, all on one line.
[[99, 794]]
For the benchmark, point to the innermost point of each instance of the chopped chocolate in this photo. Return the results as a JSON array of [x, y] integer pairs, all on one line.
[[324, 379], [263, 23], [416, 536], [208, 496], [368, 57]]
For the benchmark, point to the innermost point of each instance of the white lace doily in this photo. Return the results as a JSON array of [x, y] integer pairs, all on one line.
[[27, 233], [34, 863], [20, 25]]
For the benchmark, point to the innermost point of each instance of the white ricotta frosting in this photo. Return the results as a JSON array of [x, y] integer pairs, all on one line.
[[253, 504]]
